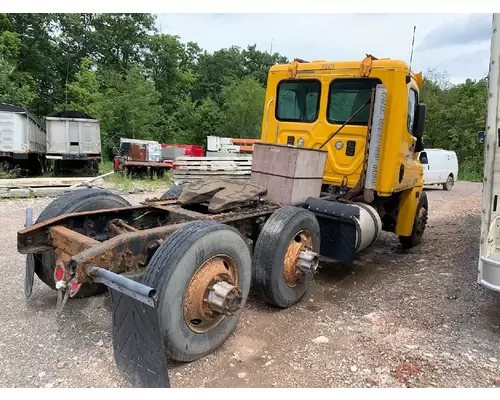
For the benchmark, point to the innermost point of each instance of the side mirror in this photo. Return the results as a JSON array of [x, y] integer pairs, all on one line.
[[481, 136], [419, 124]]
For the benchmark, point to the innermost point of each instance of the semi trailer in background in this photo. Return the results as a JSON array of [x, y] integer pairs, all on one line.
[[22, 140], [73, 142]]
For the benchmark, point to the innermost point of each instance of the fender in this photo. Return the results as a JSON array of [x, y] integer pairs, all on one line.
[[408, 204]]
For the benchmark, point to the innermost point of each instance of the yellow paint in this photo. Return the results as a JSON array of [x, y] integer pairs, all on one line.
[[396, 145], [407, 209], [396, 140]]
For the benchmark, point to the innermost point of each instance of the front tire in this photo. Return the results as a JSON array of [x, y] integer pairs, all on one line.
[[185, 271], [419, 224]]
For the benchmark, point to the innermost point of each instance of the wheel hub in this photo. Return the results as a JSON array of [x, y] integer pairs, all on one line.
[[212, 294], [299, 258], [224, 298]]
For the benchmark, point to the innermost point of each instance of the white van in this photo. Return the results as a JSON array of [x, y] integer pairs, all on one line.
[[440, 167]]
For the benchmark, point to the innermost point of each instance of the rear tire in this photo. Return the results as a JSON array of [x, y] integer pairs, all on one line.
[[170, 272], [270, 250], [77, 201], [419, 224], [449, 183], [174, 192]]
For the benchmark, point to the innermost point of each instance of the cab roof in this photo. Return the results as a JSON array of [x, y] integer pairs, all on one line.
[[325, 65]]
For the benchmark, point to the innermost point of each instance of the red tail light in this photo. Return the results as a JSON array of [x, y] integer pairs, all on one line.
[[59, 273]]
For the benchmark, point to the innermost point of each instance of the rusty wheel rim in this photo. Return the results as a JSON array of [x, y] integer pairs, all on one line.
[[198, 315], [301, 241]]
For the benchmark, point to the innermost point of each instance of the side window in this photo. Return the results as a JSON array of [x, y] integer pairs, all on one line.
[[412, 103], [298, 100]]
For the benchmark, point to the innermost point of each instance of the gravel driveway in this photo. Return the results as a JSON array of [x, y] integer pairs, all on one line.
[[396, 318]]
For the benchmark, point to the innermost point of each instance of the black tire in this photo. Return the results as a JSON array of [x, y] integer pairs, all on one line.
[[449, 183], [174, 192], [170, 271], [77, 201], [269, 255], [417, 232]]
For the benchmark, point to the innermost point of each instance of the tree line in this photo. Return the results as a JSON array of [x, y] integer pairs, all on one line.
[[144, 84]]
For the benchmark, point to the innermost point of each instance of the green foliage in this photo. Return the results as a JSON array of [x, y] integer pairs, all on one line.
[[128, 106], [83, 93], [144, 84], [454, 116], [243, 108]]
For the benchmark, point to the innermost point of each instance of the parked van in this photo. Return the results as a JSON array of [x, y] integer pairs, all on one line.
[[440, 167]]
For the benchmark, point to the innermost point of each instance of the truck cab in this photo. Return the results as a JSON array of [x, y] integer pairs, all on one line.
[[361, 113]]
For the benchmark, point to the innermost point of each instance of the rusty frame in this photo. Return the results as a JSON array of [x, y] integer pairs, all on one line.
[[126, 249]]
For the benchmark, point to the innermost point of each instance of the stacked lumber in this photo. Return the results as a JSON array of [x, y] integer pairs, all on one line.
[[189, 169], [44, 187]]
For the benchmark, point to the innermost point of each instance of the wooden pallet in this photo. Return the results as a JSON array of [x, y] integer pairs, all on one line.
[[189, 169]]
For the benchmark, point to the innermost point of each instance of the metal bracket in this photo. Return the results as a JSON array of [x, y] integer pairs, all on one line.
[[29, 274]]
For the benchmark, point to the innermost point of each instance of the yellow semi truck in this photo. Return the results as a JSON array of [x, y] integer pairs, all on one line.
[[336, 165]]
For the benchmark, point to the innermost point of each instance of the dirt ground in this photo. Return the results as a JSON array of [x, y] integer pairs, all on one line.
[[415, 318]]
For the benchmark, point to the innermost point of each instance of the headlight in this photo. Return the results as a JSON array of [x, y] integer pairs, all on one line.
[[339, 145], [300, 142]]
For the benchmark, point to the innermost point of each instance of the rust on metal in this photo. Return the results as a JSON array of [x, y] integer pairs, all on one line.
[[36, 238], [301, 241], [198, 314], [125, 253], [69, 241], [118, 226]]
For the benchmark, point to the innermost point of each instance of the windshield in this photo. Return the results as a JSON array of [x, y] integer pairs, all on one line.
[[298, 101]]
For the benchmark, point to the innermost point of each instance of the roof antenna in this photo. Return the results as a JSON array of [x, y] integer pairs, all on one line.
[[412, 45], [408, 77]]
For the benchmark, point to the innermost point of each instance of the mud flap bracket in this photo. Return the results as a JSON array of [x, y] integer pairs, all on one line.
[[137, 341], [29, 276]]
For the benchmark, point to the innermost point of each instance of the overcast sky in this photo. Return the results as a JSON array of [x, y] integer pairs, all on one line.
[[457, 43]]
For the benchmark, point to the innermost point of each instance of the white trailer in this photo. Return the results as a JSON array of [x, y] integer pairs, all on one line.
[[73, 142], [22, 139], [489, 254]]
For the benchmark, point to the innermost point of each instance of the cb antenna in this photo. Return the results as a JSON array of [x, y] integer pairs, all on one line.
[[412, 45]]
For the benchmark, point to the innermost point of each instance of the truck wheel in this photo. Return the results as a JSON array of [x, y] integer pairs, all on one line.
[[71, 202], [174, 192], [448, 184], [278, 252], [202, 275], [418, 224]]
